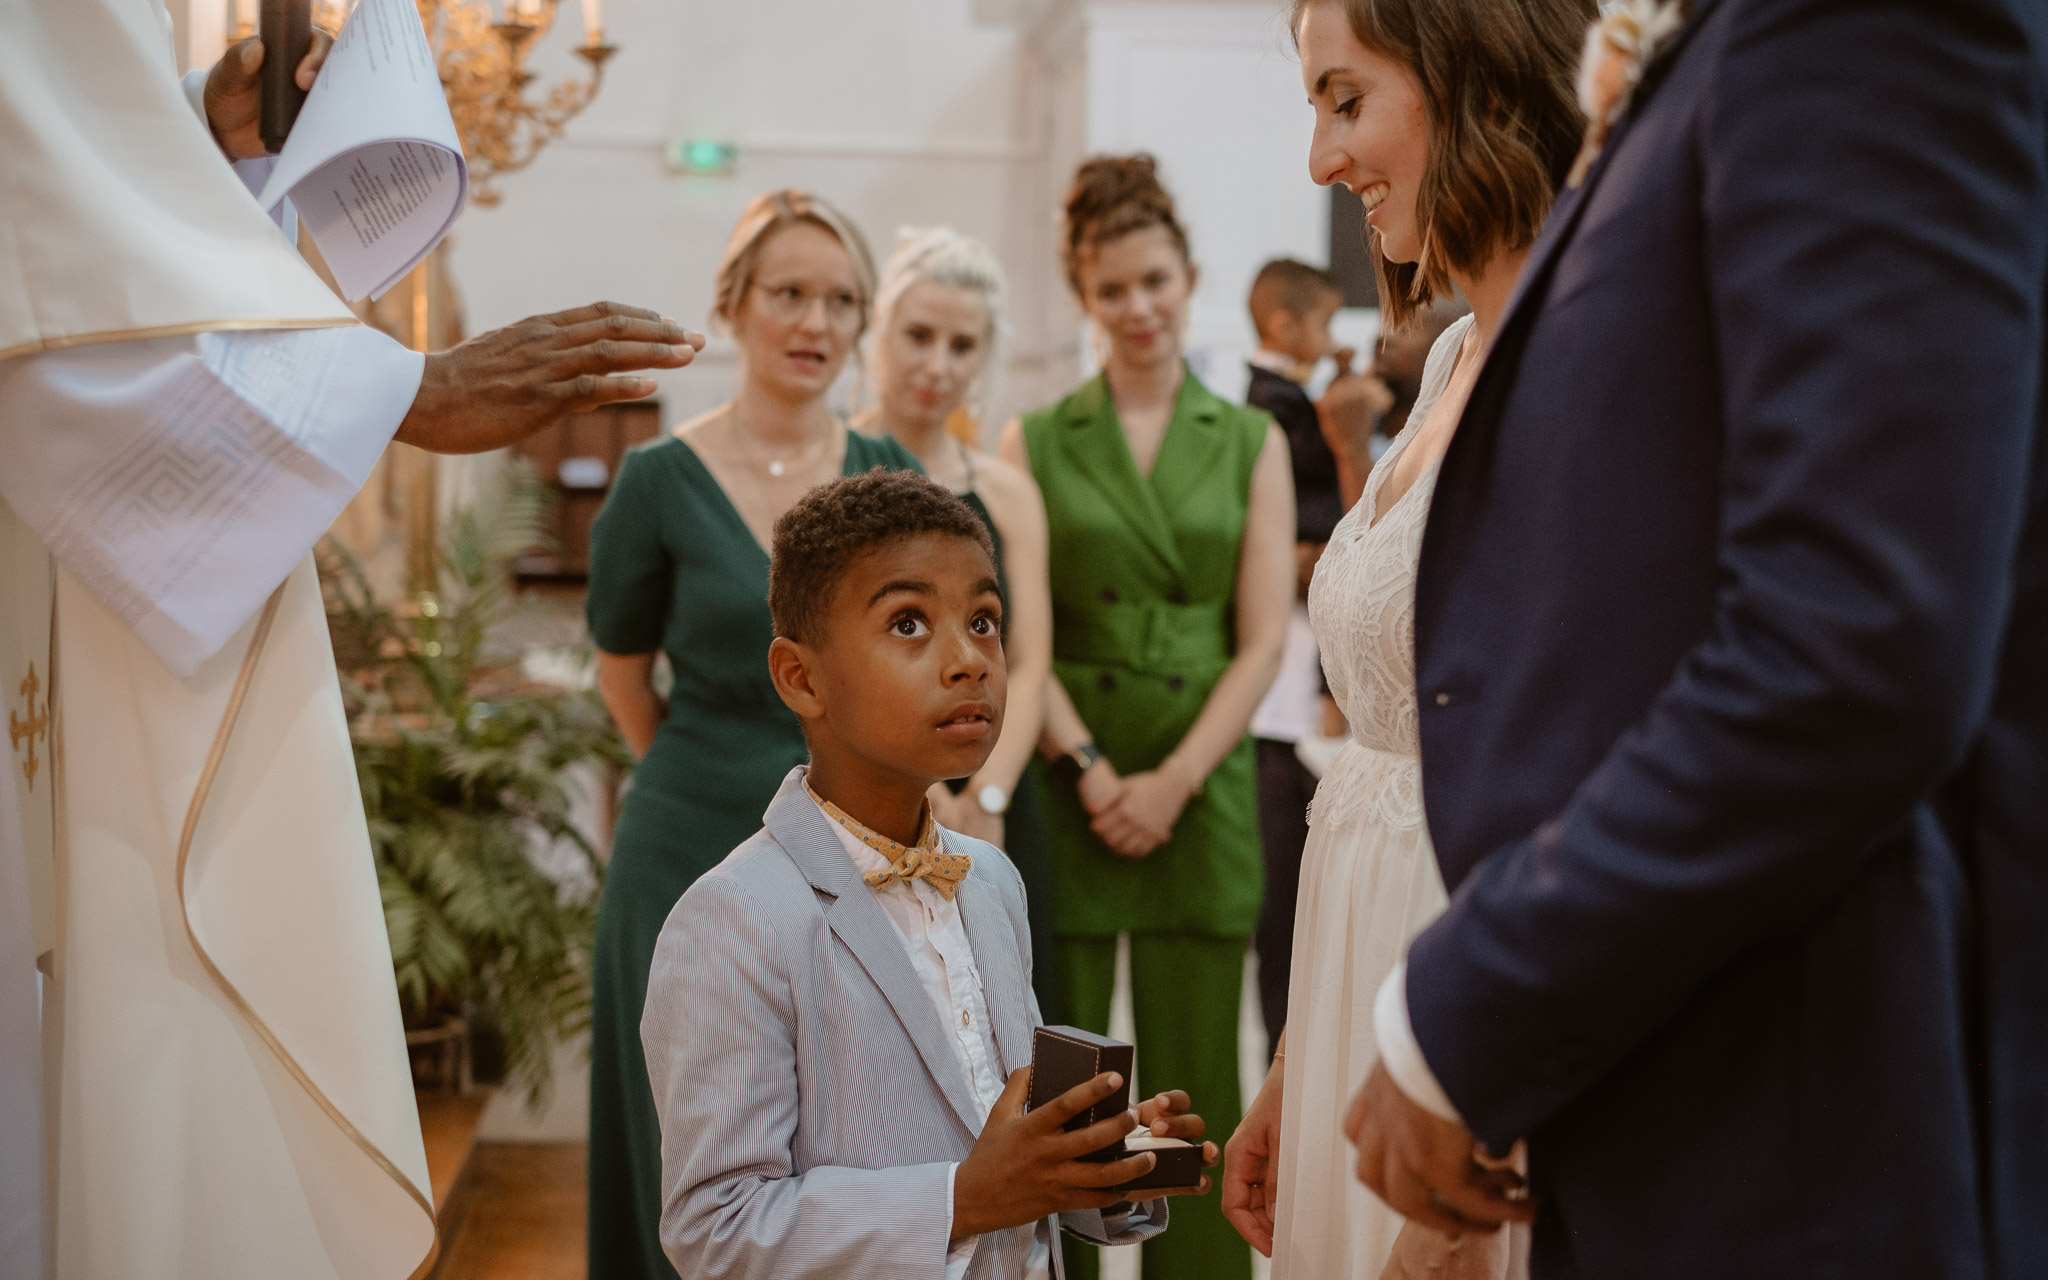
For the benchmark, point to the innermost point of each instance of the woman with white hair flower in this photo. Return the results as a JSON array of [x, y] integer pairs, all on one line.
[[937, 337]]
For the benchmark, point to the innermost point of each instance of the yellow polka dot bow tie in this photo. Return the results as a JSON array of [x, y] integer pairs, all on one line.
[[927, 860]]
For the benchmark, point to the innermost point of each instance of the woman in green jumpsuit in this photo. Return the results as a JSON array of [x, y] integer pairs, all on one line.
[[938, 324], [1170, 515], [678, 567]]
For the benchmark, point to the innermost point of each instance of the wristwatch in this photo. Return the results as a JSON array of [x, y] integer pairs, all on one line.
[[1069, 767], [993, 800]]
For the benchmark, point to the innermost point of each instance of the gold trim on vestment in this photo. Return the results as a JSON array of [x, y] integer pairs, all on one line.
[[167, 331], [241, 1003]]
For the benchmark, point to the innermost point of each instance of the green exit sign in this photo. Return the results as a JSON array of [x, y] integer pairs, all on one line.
[[703, 157]]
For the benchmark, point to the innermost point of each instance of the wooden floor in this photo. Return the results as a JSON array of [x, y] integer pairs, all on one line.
[[520, 1214], [507, 1210]]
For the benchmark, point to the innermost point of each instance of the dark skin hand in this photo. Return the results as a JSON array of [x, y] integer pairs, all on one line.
[[1429, 1169], [234, 98], [1024, 1168], [500, 387]]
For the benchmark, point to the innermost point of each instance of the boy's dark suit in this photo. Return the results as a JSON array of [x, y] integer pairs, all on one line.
[[1732, 661]]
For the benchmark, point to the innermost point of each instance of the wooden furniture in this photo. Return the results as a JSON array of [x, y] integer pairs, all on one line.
[[579, 458]]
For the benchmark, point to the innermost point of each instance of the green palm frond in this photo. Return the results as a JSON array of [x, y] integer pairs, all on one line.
[[461, 791]]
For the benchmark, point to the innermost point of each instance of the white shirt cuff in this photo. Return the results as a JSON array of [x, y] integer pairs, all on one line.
[[194, 85], [1400, 1052], [960, 1255]]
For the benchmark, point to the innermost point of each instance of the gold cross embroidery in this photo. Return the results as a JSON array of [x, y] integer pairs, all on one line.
[[37, 724]]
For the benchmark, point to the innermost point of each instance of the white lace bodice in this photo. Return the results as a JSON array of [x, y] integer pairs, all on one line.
[[1362, 604]]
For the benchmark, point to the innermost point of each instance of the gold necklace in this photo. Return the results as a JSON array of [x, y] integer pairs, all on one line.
[[761, 460]]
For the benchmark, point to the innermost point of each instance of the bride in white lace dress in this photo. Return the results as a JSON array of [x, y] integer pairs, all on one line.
[[1369, 879]]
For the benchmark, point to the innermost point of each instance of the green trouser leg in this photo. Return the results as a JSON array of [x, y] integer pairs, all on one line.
[[1186, 994]]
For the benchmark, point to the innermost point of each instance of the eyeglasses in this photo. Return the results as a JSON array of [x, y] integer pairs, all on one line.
[[789, 303]]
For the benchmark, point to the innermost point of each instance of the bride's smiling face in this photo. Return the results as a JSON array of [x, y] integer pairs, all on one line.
[[1372, 131]]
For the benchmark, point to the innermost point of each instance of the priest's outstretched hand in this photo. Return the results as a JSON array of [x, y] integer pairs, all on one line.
[[502, 386], [234, 99]]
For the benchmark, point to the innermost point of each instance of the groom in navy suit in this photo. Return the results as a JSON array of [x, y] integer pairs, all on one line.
[[1732, 648]]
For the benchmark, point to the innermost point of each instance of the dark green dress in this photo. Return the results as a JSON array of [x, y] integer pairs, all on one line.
[[674, 567]]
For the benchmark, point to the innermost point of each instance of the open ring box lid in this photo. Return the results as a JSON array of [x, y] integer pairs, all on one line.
[[1063, 1058]]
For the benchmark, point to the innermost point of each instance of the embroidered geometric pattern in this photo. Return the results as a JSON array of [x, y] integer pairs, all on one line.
[[149, 515]]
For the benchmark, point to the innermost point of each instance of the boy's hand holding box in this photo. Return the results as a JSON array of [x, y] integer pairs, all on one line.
[[1063, 1057]]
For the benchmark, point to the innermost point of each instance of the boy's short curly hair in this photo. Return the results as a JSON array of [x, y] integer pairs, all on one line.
[[834, 524]]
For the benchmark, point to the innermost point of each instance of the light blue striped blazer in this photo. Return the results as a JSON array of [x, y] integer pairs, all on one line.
[[810, 1100]]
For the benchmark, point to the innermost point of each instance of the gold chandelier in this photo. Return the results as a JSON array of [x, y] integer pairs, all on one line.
[[482, 60]]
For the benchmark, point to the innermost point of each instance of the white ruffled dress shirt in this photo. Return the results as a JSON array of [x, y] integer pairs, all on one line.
[[935, 938]]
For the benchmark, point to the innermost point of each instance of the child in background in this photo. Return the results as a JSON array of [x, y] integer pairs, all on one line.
[[1292, 304], [834, 1010]]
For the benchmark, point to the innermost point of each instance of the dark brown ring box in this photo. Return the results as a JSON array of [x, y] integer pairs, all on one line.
[[1064, 1057]]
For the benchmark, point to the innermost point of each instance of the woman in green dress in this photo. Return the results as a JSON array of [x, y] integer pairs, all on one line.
[[1170, 516], [678, 567], [938, 329]]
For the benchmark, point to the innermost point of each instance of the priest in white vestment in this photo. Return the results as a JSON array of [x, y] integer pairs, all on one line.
[[209, 1080]]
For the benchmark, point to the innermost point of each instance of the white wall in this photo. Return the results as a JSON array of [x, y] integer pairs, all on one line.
[[1213, 89], [971, 112], [902, 111]]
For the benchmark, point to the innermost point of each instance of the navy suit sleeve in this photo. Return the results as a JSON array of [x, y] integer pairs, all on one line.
[[1872, 214]]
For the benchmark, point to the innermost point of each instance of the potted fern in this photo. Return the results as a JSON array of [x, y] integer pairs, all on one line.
[[489, 889]]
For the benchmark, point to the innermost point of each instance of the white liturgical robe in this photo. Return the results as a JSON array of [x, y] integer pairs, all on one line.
[[183, 410]]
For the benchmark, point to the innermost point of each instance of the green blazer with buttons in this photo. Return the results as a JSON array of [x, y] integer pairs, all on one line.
[[1144, 573]]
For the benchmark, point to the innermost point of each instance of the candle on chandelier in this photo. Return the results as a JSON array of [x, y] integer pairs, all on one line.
[[593, 22]]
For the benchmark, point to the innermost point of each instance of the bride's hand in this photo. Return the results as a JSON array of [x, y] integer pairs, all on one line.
[[1251, 1167]]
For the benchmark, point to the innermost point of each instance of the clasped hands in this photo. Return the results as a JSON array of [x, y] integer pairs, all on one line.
[[1024, 1167], [1134, 815]]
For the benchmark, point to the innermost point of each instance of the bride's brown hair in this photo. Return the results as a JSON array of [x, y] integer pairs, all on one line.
[[1497, 80]]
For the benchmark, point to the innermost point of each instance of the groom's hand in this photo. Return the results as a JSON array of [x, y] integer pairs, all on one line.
[[1424, 1166]]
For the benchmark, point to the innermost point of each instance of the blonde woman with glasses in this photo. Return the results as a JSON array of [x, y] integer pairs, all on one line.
[[679, 565]]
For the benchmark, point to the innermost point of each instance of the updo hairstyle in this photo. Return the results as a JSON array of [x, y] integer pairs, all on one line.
[[941, 255], [1113, 196], [1498, 88], [772, 212]]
